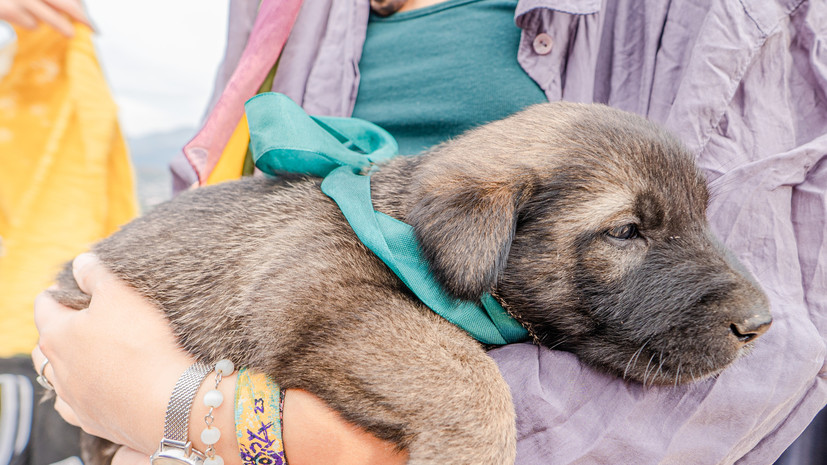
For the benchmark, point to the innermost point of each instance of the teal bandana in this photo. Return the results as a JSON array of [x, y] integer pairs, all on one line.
[[283, 138]]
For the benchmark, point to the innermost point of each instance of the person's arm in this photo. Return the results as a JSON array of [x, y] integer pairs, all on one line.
[[116, 382], [28, 13]]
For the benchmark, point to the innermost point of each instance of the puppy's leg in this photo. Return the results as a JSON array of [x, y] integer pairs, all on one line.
[[409, 377]]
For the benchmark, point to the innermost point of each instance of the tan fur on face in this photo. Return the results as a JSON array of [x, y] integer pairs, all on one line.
[[269, 274]]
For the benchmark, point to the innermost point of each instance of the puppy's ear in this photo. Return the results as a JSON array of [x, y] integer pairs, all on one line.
[[465, 231]]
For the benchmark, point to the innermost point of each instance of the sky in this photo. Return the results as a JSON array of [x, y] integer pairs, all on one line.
[[160, 58]]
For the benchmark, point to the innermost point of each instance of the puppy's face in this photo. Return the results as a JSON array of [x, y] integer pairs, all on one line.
[[589, 224]]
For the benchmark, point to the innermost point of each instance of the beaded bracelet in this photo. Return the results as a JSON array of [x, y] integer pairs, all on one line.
[[212, 399]]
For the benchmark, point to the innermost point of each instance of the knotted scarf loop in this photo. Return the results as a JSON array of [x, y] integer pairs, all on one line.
[[283, 138]]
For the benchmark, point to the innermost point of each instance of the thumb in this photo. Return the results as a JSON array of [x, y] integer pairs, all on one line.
[[89, 272]]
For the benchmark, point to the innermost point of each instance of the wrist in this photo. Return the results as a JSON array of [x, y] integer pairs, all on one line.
[[147, 426]]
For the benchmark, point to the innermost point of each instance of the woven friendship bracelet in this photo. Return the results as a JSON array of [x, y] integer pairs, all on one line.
[[259, 403]]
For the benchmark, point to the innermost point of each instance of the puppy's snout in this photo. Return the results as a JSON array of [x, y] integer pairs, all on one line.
[[750, 328]]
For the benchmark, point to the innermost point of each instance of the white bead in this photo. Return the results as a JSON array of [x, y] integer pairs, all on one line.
[[210, 435], [225, 367], [213, 398], [217, 460]]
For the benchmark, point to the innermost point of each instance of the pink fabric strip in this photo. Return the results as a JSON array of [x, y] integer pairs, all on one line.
[[273, 24]]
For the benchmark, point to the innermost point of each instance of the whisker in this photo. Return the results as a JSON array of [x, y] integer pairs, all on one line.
[[646, 373], [678, 374], [560, 341], [660, 366], [633, 358]]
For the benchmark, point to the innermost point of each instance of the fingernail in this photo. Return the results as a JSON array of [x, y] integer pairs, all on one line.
[[83, 260]]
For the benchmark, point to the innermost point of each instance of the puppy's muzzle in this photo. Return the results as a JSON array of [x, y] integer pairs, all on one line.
[[748, 329]]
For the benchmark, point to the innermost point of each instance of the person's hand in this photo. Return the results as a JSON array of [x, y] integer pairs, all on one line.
[[113, 364], [28, 13]]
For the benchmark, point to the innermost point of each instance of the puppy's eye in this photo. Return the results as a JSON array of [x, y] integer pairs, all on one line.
[[625, 232]]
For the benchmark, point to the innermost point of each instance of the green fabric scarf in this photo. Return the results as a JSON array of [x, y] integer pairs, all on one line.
[[283, 138]]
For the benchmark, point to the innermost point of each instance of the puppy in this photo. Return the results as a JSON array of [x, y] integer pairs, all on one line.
[[586, 223]]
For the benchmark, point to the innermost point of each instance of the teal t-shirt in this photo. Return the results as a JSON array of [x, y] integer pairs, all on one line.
[[432, 73]]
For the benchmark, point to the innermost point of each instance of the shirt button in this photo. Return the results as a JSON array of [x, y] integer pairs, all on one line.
[[543, 43]]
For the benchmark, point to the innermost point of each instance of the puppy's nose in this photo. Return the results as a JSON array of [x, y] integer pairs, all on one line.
[[752, 327]]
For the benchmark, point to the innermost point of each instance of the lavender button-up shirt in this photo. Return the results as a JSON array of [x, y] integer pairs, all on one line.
[[744, 85]]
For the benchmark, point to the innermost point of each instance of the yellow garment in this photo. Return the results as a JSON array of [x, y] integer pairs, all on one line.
[[231, 163], [65, 176]]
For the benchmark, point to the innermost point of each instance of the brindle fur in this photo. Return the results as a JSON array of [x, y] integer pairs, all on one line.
[[269, 274]]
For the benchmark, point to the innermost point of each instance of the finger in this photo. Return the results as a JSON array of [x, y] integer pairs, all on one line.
[[37, 358], [42, 12], [89, 272], [47, 311], [46, 14], [18, 16], [73, 8], [42, 367], [61, 406], [66, 412]]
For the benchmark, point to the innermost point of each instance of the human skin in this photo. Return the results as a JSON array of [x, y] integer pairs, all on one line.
[[28, 13], [414, 4], [121, 329]]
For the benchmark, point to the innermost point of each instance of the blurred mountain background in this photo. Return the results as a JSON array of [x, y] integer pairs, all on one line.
[[159, 58], [151, 154]]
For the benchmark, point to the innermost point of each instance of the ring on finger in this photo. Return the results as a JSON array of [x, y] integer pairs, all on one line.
[[41, 377]]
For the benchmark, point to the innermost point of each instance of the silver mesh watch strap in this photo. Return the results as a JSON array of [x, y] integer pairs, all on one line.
[[176, 423]]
